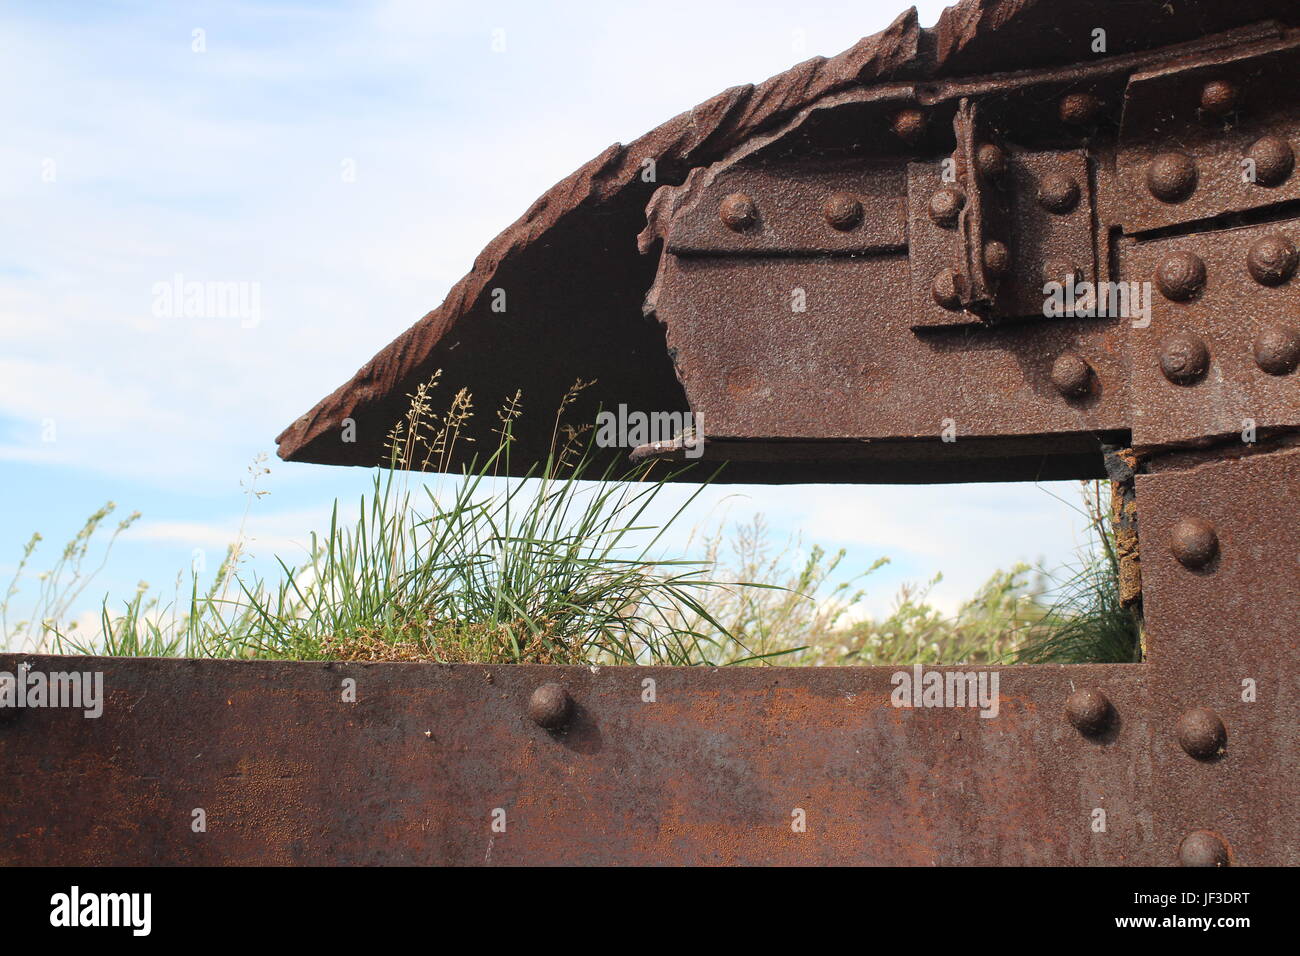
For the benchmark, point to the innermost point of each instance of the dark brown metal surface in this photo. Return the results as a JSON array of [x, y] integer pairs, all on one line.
[[713, 770], [1222, 637]]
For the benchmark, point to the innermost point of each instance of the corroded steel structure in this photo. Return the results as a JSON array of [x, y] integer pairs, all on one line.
[[1040, 240]]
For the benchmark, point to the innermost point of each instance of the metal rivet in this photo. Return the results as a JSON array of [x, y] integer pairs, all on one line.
[[1194, 542], [1171, 177], [738, 211], [1071, 375], [550, 706], [1079, 109], [1203, 848], [1219, 97], [1058, 193], [1089, 711], [997, 258], [990, 161], [1277, 349], [1180, 276], [1272, 259], [946, 291], [1184, 358], [1201, 733], [1273, 158], [946, 205], [842, 210], [909, 126]]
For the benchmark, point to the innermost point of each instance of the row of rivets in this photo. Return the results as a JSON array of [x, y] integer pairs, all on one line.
[[1184, 356], [1200, 733], [1173, 176], [841, 210]]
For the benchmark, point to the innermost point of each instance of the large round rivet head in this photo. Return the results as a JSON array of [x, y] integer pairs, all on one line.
[[1272, 259], [1184, 358], [1058, 193], [1194, 542], [909, 125], [1277, 349], [842, 210], [738, 212], [1203, 848], [1219, 97], [997, 258], [550, 706], [946, 290], [1071, 375], [1273, 160], [990, 161], [1079, 109], [1171, 177], [1201, 733], [946, 205], [1089, 711], [1180, 276]]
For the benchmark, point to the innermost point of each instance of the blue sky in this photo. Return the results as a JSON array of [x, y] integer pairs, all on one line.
[[350, 159]]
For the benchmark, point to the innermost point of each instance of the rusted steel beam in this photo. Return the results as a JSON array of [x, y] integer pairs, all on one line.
[[829, 182], [719, 767], [1221, 589]]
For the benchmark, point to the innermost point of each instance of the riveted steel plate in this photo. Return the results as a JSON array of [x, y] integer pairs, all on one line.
[[850, 366], [1163, 114], [713, 770], [1045, 245], [790, 204], [1224, 636], [1229, 314]]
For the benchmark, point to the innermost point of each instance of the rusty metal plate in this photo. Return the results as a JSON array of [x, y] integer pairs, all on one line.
[[1179, 161], [1051, 220], [1221, 588], [843, 207], [1041, 211], [1223, 317], [850, 365], [711, 771]]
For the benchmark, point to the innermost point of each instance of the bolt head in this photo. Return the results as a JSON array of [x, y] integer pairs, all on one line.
[[946, 290], [843, 211], [550, 706], [738, 212], [946, 205], [909, 125], [1184, 358], [997, 259], [1071, 375], [1180, 276], [1219, 97], [990, 161], [1277, 349], [1079, 109], [1274, 160], [1194, 542], [1272, 259], [1201, 733], [1203, 848], [1058, 193], [1089, 710], [1171, 176]]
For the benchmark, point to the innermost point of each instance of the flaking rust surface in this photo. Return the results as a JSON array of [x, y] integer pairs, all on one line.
[[709, 773]]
